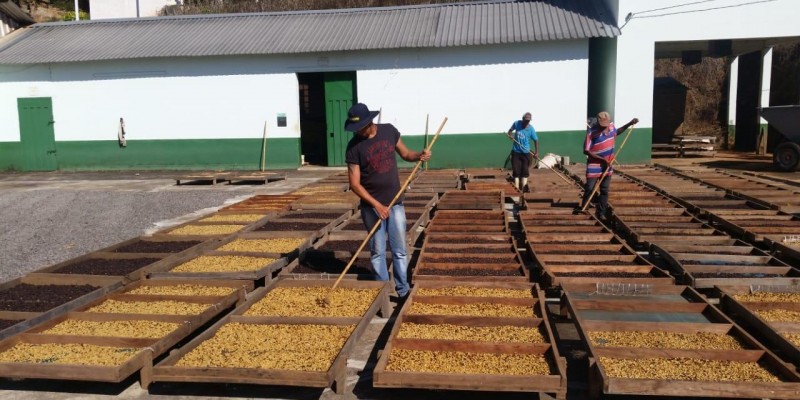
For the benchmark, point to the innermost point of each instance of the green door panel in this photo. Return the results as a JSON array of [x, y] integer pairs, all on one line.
[[36, 133], [340, 94]]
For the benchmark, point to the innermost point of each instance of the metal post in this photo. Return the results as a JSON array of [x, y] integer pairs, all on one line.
[[77, 11]]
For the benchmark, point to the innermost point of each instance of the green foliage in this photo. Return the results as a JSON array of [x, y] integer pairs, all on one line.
[[70, 16]]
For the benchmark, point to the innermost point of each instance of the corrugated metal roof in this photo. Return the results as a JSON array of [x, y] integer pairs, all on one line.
[[14, 12], [439, 25]]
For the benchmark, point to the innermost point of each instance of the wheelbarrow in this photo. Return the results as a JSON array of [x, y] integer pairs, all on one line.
[[786, 119]]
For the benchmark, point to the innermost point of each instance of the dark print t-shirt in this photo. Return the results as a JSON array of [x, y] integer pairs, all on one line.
[[375, 158]]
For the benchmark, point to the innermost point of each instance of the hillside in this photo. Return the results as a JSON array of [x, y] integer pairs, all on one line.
[[707, 87]]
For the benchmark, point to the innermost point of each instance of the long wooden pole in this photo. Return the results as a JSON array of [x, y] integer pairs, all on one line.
[[539, 160], [264, 149], [605, 173], [378, 222], [427, 116]]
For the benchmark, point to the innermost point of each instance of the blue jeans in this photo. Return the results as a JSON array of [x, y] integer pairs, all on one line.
[[601, 208], [395, 228]]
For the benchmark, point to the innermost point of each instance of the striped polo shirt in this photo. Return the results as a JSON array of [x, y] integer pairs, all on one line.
[[600, 142]]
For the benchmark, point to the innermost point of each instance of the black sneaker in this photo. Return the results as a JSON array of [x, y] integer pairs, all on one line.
[[526, 189]]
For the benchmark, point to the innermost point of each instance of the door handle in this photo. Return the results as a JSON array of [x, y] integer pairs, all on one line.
[[51, 122], [331, 134], [51, 151]]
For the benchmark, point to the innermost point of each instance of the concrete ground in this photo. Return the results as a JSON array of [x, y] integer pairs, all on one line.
[[55, 216]]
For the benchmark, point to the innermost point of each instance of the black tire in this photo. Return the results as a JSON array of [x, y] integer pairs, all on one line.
[[787, 156]]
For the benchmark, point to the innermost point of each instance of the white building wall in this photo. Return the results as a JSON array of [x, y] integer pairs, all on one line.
[[6, 25], [162, 99], [105, 9], [480, 89], [724, 19]]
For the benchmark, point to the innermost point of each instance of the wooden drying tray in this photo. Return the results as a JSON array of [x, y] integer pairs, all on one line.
[[204, 177], [261, 178], [335, 376], [553, 385], [147, 349], [31, 318], [769, 333], [686, 301], [708, 262]]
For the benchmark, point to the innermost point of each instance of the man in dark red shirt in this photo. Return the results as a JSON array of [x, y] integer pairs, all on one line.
[[372, 171]]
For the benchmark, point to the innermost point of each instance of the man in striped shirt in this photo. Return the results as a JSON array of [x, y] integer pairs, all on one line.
[[599, 149]]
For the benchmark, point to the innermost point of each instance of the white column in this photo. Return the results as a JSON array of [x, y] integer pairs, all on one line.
[[733, 86], [766, 77]]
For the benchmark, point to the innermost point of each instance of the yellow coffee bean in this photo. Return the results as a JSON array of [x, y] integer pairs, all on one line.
[[165, 307], [71, 353], [305, 347], [665, 340], [454, 362], [303, 302], [686, 369], [129, 329], [494, 334], [224, 264]]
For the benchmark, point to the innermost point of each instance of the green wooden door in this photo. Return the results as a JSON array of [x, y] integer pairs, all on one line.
[[36, 134], [340, 94]]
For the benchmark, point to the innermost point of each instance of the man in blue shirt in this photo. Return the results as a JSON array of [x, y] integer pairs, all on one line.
[[522, 133]]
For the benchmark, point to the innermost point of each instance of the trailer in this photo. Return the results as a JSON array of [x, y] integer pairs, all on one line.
[[786, 119]]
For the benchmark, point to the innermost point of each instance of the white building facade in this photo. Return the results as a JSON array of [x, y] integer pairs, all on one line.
[[109, 9], [199, 91]]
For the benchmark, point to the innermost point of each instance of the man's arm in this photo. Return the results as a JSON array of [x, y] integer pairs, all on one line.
[[628, 125], [354, 176], [511, 130], [535, 139], [410, 155]]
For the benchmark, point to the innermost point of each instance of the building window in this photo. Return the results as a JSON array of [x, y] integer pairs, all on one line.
[[305, 98]]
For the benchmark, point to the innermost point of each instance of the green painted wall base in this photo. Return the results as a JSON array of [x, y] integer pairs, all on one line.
[[189, 154], [486, 150], [492, 149], [11, 157]]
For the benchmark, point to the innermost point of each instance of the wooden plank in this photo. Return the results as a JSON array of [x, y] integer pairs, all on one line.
[[211, 177], [257, 177]]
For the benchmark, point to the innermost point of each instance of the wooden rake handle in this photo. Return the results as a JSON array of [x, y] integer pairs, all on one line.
[[540, 160], [394, 200], [605, 173]]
